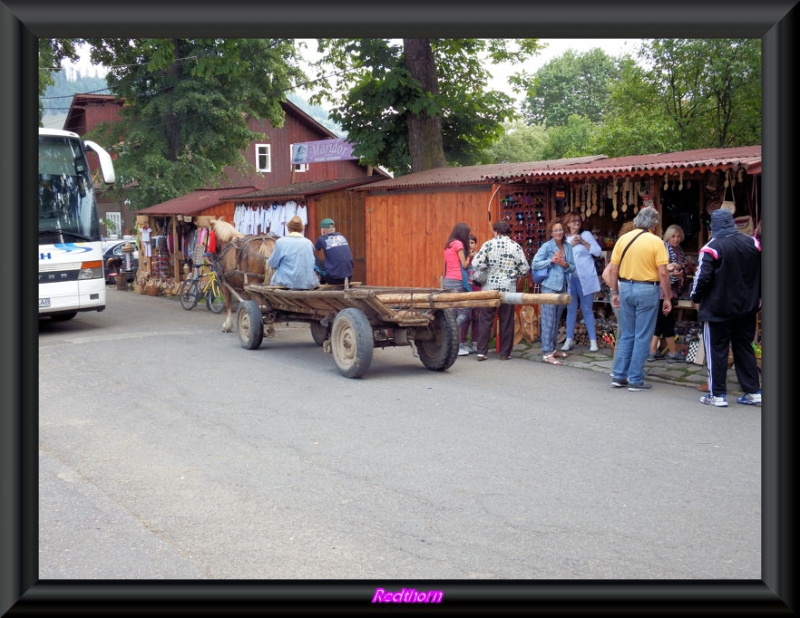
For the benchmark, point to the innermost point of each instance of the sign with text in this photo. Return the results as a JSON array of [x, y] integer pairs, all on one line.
[[321, 151]]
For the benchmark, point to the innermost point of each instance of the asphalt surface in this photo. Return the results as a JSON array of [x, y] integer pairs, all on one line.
[[168, 451]]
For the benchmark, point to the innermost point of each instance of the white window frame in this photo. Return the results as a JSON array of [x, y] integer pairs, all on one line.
[[263, 151]]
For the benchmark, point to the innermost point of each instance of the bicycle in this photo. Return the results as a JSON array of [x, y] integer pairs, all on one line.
[[191, 292]]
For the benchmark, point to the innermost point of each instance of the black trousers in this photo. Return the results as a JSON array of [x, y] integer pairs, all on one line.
[[505, 315], [737, 333]]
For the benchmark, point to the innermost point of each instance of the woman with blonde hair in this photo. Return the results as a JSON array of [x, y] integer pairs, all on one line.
[[665, 324], [585, 281]]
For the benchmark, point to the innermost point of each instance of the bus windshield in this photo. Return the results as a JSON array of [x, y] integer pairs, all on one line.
[[67, 206]]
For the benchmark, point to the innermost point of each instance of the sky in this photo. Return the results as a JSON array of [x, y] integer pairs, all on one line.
[[500, 73]]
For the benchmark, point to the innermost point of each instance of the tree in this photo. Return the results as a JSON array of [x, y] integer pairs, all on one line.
[[519, 143], [419, 105], [571, 84], [186, 106], [51, 53], [708, 89]]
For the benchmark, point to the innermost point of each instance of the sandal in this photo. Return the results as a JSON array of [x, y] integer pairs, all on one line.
[[551, 360], [558, 354]]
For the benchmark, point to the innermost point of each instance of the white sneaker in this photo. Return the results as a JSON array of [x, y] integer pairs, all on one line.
[[463, 350], [568, 345], [474, 348], [593, 347]]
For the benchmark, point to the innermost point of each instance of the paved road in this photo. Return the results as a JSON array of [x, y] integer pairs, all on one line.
[[169, 451]]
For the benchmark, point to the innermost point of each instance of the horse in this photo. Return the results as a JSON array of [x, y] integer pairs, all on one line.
[[241, 260]]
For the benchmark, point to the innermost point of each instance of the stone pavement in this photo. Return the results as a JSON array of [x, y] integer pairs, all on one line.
[[682, 374]]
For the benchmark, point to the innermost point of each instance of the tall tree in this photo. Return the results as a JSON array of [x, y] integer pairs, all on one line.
[[51, 53], [709, 89], [186, 106], [519, 143], [390, 97], [574, 83]]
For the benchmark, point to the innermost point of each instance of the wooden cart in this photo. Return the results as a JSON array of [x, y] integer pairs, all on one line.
[[351, 321]]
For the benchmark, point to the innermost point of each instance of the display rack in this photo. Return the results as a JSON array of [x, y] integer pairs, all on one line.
[[526, 209]]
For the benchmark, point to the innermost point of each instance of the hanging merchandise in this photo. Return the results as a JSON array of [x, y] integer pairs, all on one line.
[[561, 198], [730, 204], [626, 187], [614, 192]]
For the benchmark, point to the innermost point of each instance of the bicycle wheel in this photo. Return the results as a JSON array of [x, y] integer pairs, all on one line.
[[215, 300], [188, 295]]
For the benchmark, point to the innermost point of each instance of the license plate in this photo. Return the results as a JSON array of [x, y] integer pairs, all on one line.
[[44, 302]]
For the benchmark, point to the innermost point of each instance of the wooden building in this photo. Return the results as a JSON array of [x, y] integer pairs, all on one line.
[[268, 158], [408, 219]]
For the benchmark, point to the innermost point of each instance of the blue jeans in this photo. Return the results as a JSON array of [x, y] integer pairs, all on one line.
[[549, 320], [586, 301], [456, 285], [638, 305]]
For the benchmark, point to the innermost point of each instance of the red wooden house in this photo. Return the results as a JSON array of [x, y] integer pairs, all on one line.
[[269, 157]]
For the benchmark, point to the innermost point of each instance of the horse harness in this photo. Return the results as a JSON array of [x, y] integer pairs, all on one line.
[[242, 254]]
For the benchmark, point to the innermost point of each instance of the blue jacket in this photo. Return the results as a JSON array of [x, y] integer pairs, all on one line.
[[555, 280], [293, 261]]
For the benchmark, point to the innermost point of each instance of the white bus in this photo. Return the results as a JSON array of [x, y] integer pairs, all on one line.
[[71, 277]]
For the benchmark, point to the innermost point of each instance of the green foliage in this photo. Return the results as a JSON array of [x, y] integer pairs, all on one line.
[[571, 84], [519, 143], [186, 107], [686, 94], [708, 90], [373, 92]]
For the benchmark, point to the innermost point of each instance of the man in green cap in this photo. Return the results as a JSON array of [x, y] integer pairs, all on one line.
[[338, 259]]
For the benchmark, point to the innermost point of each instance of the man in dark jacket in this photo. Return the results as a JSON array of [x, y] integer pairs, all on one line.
[[338, 259], [727, 286]]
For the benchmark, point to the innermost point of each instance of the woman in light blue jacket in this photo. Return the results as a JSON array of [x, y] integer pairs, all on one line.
[[556, 254], [585, 281]]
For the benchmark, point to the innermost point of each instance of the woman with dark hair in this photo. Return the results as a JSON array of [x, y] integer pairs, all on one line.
[[455, 266], [506, 262], [556, 254], [472, 323]]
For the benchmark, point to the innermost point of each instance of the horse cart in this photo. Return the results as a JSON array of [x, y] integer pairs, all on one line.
[[351, 321]]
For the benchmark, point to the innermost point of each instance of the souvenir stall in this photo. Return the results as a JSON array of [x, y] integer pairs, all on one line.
[[607, 194], [170, 246]]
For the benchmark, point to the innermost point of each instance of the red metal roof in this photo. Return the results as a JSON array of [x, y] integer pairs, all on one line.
[[194, 202], [303, 189], [748, 157], [472, 174]]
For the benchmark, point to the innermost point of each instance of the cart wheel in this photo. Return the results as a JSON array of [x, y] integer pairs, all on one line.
[[351, 342], [319, 332], [439, 351], [250, 324]]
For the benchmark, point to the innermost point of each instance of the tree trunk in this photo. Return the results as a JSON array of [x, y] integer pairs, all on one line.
[[425, 143], [171, 121]]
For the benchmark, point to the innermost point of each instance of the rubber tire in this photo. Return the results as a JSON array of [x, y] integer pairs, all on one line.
[[187, 296], [352, 344], [319, 333], [215, 300], [440, 352], [250, 324]]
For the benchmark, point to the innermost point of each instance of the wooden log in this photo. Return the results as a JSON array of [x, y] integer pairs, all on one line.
[[402, 298], [516, 298], [441, 304]]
